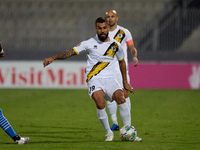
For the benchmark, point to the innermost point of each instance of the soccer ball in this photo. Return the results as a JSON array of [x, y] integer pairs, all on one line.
[[128, 133]]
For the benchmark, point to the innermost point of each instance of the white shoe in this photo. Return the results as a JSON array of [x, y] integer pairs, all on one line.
[[138, 139], [23, 140], [110, 137]]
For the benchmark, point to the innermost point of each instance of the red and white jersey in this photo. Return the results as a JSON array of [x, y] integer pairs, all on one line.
[[102, 57], [124, 37]]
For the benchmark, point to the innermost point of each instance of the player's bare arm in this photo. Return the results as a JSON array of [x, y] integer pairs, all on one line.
[[126, 85], [134, 54], [63, 55]]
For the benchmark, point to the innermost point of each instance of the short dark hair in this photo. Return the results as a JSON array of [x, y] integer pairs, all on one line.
[[100, 20]]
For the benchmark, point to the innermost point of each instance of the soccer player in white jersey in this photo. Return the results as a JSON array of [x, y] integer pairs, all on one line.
[[5, 125], [102, 55], [124, 37]]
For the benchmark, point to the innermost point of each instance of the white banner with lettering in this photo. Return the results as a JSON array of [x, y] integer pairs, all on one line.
[[32, 74], [71, 74]]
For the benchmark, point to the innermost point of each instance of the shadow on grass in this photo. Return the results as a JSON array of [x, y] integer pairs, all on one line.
[[58, 127], [57, 134]]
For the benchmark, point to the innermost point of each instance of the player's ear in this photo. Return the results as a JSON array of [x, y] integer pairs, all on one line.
[[117, 18]]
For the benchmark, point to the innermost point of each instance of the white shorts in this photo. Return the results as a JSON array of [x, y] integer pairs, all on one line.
[[108, 85], [119, 78]]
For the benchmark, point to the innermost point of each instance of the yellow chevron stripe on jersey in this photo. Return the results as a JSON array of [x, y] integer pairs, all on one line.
[[112, 49], [96, 69], [119, 36]]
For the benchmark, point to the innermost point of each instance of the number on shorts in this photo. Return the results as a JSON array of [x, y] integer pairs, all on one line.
[[92, 88]]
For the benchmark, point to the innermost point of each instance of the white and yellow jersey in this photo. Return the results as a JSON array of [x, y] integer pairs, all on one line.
[[101, 57], [124, 37]]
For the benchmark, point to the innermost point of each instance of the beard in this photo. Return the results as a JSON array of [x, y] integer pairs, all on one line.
[[102, 38]]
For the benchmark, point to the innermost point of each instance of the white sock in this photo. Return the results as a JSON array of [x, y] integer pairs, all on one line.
[[103, 118], [128, 103], [112, 109], [125, 113]]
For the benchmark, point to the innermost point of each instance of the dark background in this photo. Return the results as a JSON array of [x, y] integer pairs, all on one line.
[[162, 30]]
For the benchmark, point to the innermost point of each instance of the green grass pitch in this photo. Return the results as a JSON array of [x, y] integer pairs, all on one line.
[[67, 119]]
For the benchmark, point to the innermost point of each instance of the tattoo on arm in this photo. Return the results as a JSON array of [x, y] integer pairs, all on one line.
[[65, 54]]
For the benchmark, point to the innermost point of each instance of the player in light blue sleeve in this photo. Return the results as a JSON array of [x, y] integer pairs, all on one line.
[[5, 125]]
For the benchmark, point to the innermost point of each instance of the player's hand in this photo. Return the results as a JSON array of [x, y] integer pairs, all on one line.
[[135, 60], [0, 47], [47, 61], [128, 87], [2, 53]]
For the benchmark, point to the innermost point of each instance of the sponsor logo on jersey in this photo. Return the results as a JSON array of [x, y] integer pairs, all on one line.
[[95, 46]]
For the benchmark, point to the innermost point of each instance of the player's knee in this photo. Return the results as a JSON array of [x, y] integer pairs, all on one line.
[[121, 99], [100, 105], [118, 96]]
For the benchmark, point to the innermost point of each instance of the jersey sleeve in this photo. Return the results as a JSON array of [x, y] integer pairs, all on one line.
[[80, 47], [129, 39]]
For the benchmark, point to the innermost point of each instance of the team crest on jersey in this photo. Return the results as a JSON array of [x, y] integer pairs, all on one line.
[[120, 35], [113, 48]]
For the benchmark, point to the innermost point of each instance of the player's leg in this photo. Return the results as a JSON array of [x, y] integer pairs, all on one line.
[[5, 125], [127, 98], [97, 94], [123, 107], [129, 106], [112, 106], [98, 97], [126, 93], [115, 92], [112, 109]]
